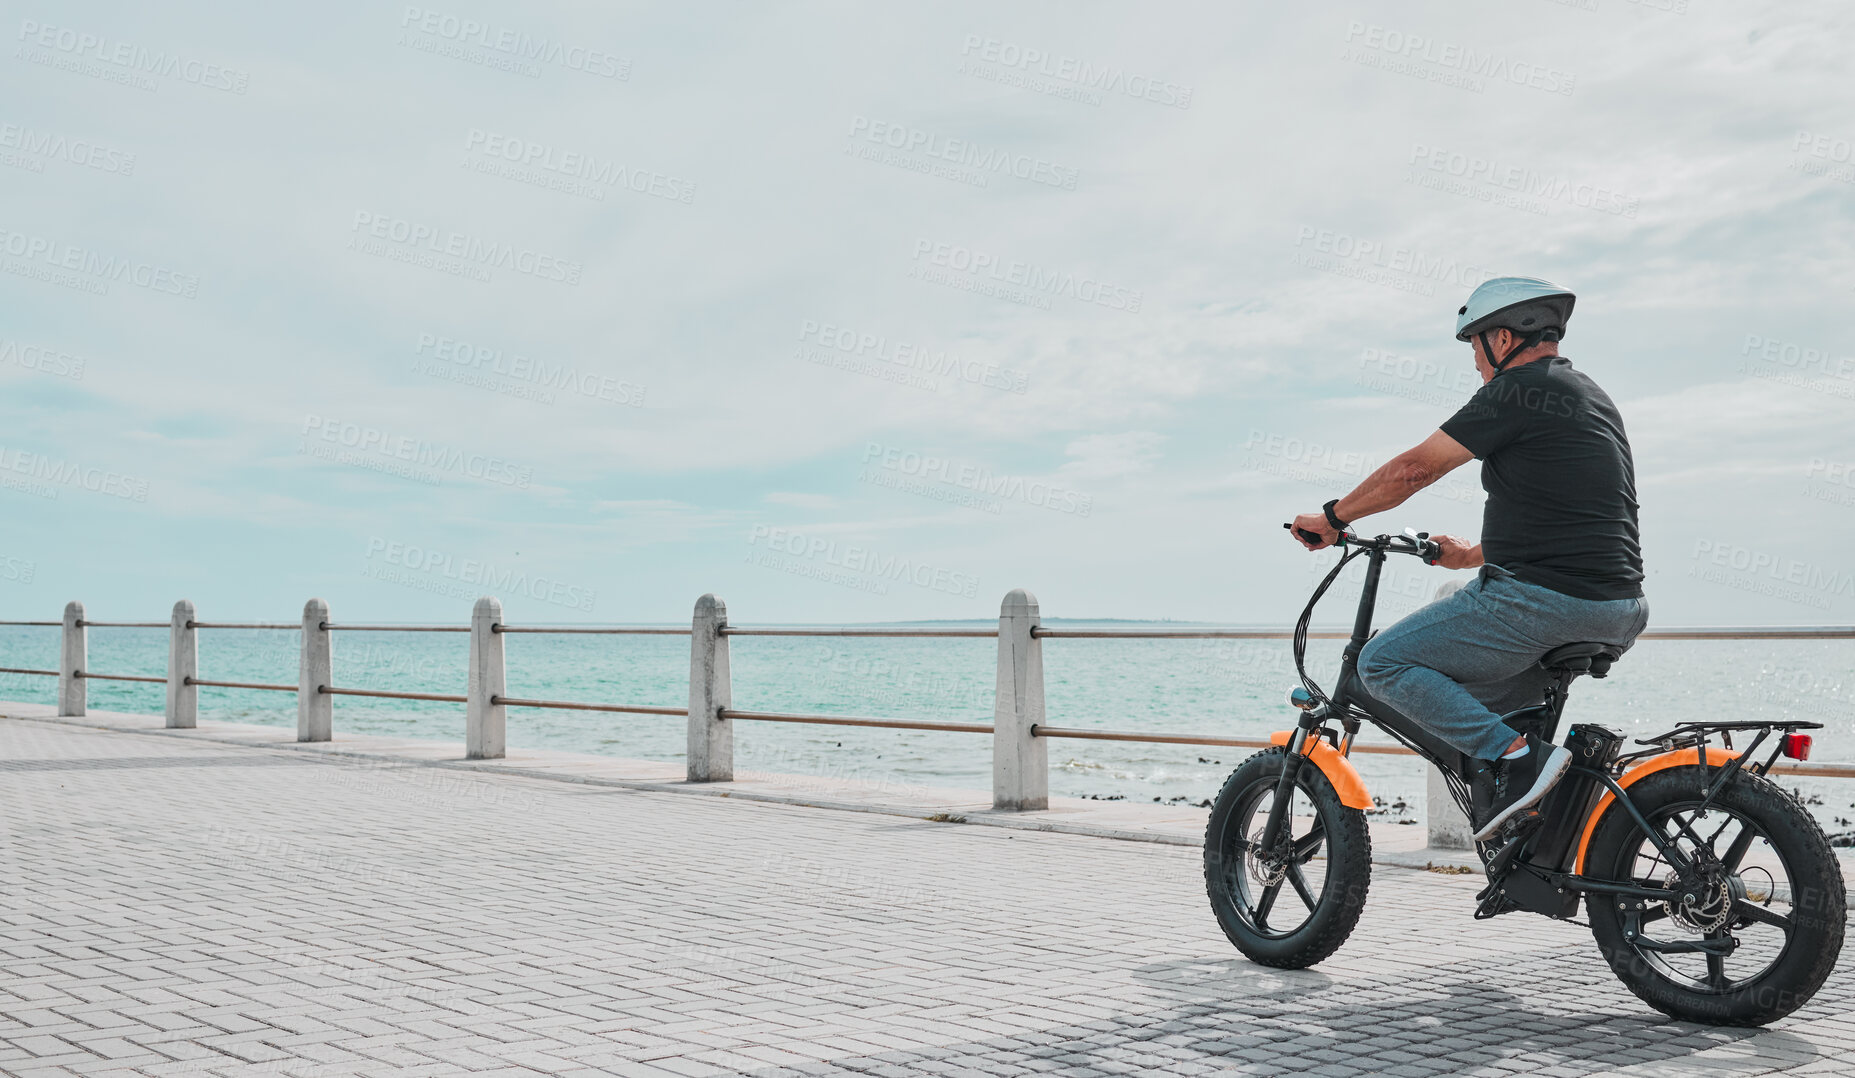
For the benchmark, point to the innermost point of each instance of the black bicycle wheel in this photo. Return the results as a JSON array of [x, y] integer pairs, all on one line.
[[1295, 906], [1750, 935]]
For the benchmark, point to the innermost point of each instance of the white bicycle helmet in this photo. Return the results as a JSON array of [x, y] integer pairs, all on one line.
[[1533, 309]]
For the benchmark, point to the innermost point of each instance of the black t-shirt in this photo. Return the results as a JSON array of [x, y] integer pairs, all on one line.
[[1561, 509]]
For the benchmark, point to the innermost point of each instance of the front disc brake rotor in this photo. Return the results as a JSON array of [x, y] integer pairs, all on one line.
[[1266, 871]]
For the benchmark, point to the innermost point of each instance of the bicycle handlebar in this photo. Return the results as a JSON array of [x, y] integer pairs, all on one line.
[[1420, 545]]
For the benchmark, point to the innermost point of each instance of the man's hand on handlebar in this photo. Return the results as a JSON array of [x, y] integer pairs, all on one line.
[[1313, 531], [1457, 553], [1314, 524]]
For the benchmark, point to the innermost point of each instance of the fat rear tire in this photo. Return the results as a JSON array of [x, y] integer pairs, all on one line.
[[1347, 864], [1818, 910]]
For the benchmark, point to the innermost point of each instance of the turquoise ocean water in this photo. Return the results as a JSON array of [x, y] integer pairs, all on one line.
[[1224, 687]]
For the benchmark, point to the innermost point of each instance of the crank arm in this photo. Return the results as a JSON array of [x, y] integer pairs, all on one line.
[[1723, 946]]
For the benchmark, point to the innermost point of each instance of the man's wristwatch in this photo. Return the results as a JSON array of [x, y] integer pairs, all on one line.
[[1338, 524]]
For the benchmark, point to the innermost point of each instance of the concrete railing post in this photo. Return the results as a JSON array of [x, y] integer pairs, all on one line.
[[315, 709], [483, 716], [711, 688], [1020, 762], [183, 663], [73, 656], [1449, 829]]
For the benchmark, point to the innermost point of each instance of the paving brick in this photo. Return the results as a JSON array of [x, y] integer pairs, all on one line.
[[285, 914]]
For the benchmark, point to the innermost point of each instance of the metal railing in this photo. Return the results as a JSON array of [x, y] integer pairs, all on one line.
[[984, 633], [239, 685], [853, 720], [1753, 632], [1018, 731]]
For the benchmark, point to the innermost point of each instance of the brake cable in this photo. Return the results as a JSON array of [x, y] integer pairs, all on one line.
[[1307, 615]]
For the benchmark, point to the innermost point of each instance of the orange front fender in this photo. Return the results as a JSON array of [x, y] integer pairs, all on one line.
[[1338, 769], [1677, 758]]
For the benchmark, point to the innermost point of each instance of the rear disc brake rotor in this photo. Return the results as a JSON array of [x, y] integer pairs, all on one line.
[[1703, 907]]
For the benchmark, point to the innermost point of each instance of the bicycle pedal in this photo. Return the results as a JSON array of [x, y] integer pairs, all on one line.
[[1500, 863], [1521, 825], [1494, 907], [1493, 902]]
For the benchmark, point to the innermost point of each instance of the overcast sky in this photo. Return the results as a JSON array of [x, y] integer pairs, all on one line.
[[867, 312]]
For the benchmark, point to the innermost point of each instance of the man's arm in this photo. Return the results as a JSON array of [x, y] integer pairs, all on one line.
[[1404, 475], [1390, 486]]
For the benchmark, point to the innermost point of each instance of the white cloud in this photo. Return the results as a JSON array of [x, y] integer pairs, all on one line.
[[1280, 226]]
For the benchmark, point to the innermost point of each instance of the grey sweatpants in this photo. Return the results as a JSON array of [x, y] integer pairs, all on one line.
[[1460, 663]]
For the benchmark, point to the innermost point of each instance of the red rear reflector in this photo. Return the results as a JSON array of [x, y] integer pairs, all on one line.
[[1797, 746]]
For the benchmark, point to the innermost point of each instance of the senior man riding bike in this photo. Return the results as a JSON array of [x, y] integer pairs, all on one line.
[[1560, 556]]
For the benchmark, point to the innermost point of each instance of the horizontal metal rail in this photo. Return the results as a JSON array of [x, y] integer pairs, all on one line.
[[329, 626], [1775, 632], [731, 631], [852, 720], [1819, 771], [1195, 739], [1182, 634], [240, 685], [1822, 771], [441, 697], [569, 705], [593, 632], [118, 677], [10, 670]]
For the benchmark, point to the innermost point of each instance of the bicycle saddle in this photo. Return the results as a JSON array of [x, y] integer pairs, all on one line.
[[1582, 658]]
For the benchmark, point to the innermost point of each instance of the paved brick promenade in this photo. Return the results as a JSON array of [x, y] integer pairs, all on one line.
[[173, 906]]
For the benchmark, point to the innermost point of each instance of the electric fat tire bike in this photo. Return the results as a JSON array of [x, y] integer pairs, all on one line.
[[1712, 892]]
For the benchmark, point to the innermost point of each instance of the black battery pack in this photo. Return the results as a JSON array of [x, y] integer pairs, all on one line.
[[1566, 809]]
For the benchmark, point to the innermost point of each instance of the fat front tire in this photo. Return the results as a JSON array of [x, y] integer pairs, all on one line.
[[1783, 902], [1321, 887]]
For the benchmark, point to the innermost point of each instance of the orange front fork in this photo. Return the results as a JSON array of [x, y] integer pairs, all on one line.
[[1338, 769]]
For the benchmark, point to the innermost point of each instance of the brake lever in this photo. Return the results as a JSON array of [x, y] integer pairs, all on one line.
[[1428, 551]]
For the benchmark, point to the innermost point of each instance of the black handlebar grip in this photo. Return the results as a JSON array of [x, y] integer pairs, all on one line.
[[1306, 535]]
